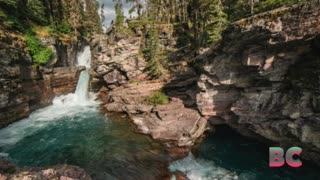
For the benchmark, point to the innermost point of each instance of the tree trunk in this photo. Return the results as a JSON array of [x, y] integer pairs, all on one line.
[[195, 5], [252, 7]]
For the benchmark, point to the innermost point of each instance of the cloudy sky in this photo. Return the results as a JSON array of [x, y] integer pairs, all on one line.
[[109, 12]]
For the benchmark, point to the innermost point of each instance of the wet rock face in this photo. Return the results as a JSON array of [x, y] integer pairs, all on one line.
[[67, 53], [65, 79], [268, 86], [8, 171]]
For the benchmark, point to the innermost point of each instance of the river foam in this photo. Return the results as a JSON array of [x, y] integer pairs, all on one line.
[[199, 169], [63, 106]]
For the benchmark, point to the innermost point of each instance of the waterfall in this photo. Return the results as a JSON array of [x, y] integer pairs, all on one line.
[[84, 59], [64, 106]]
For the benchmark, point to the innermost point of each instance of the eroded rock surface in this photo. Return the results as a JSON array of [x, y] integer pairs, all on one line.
[[117, 60], [264, 79], [118, 56]]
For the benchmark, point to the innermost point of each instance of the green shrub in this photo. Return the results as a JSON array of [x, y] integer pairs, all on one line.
[[43, 56], [40, 54], [157, 98]]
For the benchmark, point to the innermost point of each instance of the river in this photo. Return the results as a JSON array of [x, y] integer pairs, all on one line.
[[74, 131]]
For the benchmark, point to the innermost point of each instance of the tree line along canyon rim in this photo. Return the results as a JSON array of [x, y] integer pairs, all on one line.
[[148, 90]]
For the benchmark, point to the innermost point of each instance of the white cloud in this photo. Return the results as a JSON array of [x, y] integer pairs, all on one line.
[[109, 12]]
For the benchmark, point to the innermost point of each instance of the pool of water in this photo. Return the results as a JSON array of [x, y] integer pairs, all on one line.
[[77, 134], [227, 155]]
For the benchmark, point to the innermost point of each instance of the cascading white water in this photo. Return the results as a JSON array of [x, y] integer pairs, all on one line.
[[63, 106], [84, 59]]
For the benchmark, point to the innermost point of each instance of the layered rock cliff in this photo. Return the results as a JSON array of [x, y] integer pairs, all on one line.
[[39, 42], [263, 80], [25, 87]]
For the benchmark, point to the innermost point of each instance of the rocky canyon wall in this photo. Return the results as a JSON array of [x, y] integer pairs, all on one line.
[[264, 78], [118, 58], [120, 73], [25, 87]]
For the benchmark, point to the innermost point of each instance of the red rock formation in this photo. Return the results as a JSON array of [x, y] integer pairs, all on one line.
[[264, 80], [172, 123]]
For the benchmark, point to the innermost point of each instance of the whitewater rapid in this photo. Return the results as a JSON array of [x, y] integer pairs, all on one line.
[[199, 169]]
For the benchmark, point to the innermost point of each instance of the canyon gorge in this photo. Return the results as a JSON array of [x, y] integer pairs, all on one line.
[[139, 100]]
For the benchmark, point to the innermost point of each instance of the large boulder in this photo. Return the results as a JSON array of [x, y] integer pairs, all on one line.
[[173, 124]]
